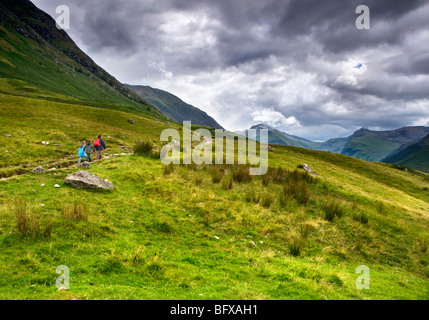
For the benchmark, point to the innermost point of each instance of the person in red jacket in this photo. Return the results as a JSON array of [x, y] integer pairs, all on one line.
[[99, 144]]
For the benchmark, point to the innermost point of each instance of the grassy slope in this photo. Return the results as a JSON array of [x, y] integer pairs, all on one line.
[[153, 237]]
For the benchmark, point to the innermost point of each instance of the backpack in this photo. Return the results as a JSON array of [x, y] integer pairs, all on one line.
[[97, 143]]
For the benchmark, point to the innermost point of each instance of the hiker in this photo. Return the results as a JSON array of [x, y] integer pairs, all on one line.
[[89, 149], [81, 153], [99, 145]]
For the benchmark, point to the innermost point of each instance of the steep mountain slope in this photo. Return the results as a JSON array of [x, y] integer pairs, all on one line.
[[415, 156], [174, 107], [35, 52]]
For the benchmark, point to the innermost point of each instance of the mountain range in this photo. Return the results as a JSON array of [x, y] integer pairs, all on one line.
[[405, 146]]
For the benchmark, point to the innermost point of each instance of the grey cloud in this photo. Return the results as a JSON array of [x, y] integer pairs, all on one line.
[[230, 58]]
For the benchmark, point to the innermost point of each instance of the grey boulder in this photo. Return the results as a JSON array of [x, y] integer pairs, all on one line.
[[86, 180], [38, 170]]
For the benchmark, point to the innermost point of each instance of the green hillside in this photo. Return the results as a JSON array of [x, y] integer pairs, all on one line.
[[178, 233], [415, 156], [35, 52], [174, 107]]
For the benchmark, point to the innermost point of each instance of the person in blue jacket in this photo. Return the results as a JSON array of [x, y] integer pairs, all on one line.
[[81, 153], [99, 144]]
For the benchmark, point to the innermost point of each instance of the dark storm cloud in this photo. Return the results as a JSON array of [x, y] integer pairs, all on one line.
[[245, 60]]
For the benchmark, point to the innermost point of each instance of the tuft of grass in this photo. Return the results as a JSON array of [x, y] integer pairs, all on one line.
[[241, 173], [252, 196], [381, 208], [28, 223], [296, 247], [297, 190], [76, 211], [216, 174], [335, 280], [266, 200], [163, 227], [169, 169], [361, 217], [332, 209], [227, 183], [143, 147], [305, 230], [198, 180]]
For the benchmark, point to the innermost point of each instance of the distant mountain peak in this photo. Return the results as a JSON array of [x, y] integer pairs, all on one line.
[[261, 126]]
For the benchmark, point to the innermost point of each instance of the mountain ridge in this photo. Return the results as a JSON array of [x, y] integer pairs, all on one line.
[[174, 107], [364, 144]]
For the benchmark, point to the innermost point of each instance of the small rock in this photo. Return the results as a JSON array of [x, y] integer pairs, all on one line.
[[39, 169], [132, 121], [252, 243], [56, 186], [42, 185], [62, 289], [45, 143], [306, 168], [84, 164], [216, 237], [8, 135], [261, 242], [201, 294], [42, 205]]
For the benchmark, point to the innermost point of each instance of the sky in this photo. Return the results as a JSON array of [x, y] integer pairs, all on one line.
[[301, 66]]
